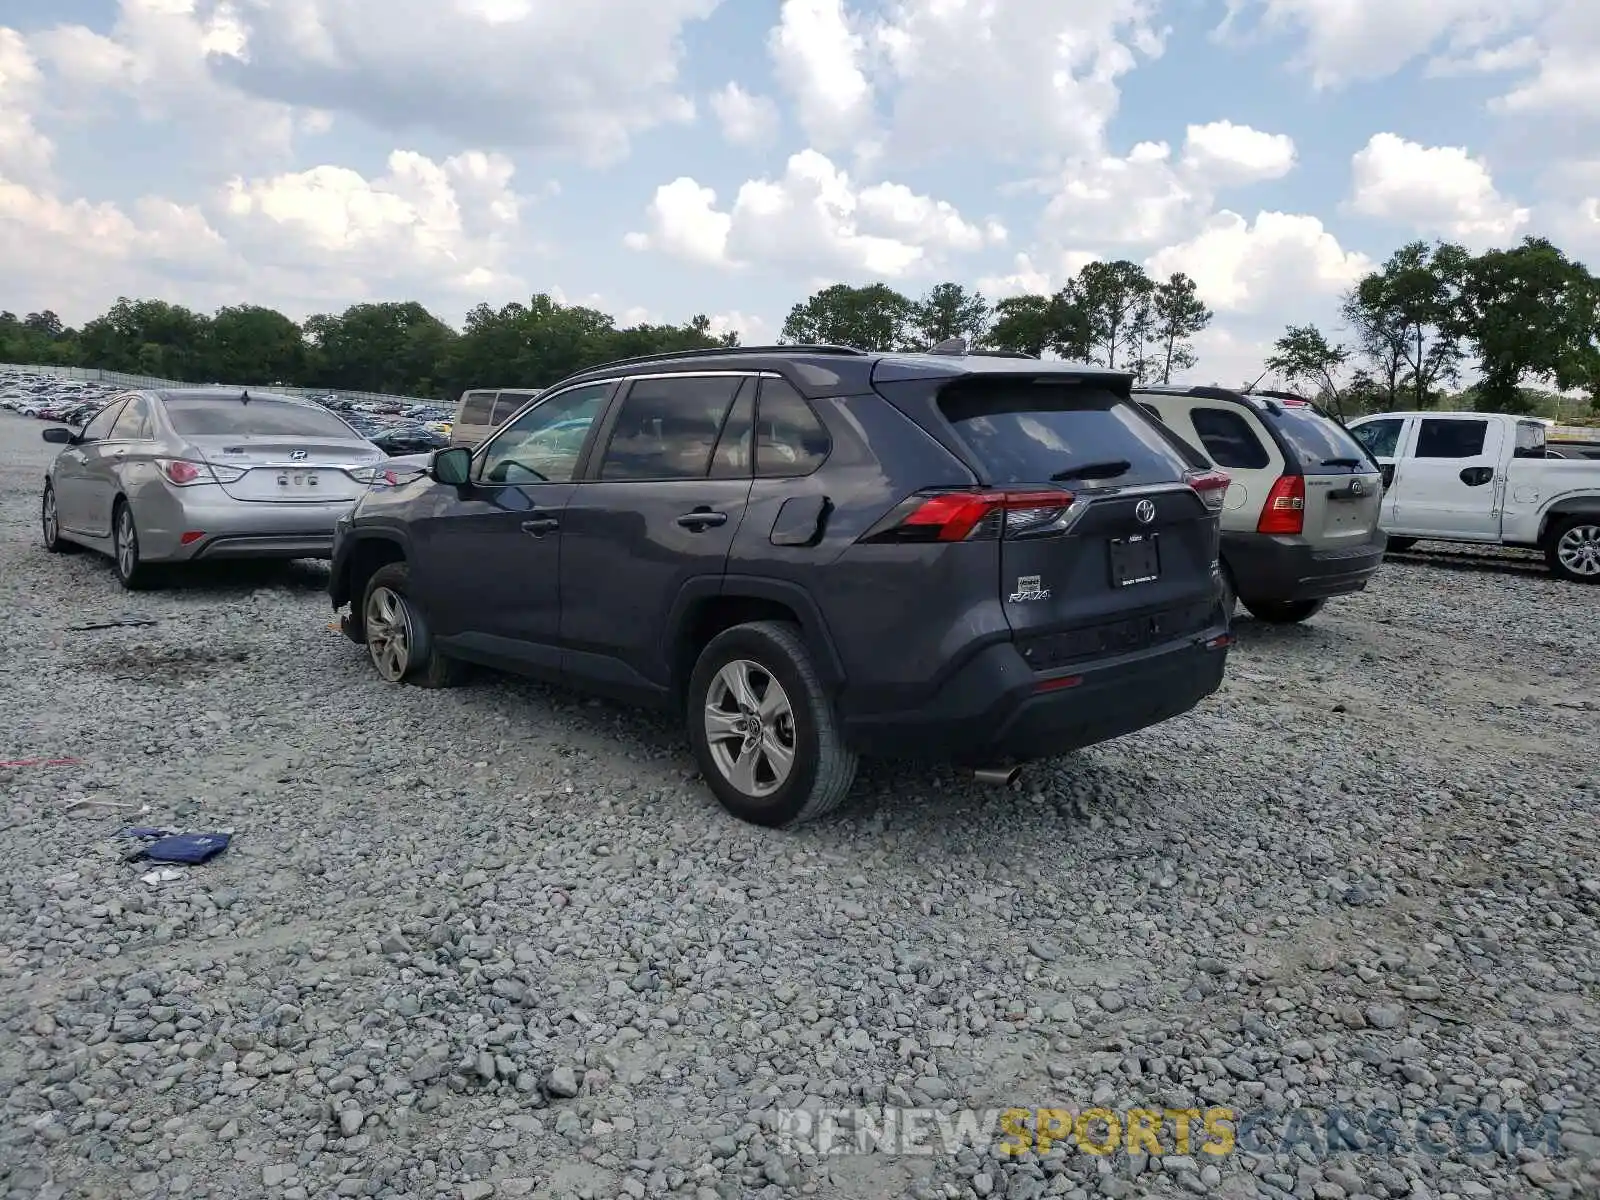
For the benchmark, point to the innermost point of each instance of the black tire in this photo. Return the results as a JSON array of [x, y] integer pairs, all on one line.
[[50, 524], [133, 573], [1400, 545], [1579, 538], [417, 663], [822, 767], [1284, 612]]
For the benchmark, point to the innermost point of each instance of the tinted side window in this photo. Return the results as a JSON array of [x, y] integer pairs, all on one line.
[[544, 444], [790, 440], [100, 427], [667, 428], [733, 456], [1030, 433], [1443, 437], [134, 423], [1229, 440], [476, 408], [505, 404], [1382, 438]]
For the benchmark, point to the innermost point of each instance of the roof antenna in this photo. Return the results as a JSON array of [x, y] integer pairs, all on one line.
[[244, 396], [1257, 383], [956, 346]]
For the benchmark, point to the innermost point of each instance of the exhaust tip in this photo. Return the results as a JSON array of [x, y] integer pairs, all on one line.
[[996, 776]]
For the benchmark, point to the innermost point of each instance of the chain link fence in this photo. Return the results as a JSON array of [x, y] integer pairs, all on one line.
[[123, 380]]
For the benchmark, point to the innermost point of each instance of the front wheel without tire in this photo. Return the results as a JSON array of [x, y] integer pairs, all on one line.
[[763, 730], [399, 641], [1573, 549], [1284, 612]]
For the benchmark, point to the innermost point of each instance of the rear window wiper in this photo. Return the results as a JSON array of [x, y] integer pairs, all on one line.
[[1341, 462], [1096, 470]]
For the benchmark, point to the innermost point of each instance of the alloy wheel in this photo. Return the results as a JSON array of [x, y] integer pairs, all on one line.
[[126, 543], [51, 525], [750, 729], [388, 633], [1579, 550]]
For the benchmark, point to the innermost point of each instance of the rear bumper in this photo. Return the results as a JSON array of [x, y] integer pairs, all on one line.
[[232, 529], [992, 711], [1268, 568]]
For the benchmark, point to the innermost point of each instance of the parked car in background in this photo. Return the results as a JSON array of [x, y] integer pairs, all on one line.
[[165, 477], [485, 409], [812, 553], [1300, 518], [1485, 478], [407, 438]]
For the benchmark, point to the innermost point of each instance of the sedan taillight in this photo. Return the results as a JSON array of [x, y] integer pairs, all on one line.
[[183, 472]]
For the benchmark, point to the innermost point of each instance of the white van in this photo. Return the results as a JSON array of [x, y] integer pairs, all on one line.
[[483, 410]]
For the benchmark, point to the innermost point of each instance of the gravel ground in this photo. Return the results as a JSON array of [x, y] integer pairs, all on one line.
[[500, 942]]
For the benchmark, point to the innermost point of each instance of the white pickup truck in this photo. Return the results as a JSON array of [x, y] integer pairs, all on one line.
[[1485, 478]]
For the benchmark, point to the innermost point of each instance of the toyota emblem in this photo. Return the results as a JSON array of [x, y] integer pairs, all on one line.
[[1145, 510], [297, 455]]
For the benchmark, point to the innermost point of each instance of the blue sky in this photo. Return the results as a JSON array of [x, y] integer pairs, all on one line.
[[310, 154]]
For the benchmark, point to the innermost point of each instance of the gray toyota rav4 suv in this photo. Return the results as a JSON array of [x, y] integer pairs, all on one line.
[[813, 553]]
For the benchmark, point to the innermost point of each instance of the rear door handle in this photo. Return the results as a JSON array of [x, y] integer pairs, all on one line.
[[702, 518], [539, 526]]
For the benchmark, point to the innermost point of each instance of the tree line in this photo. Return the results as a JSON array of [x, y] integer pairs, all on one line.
[[398, 348], [1520, 319]]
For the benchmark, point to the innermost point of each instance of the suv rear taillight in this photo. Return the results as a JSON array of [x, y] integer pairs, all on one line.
[[1285, 509], [1212, 486], [969, 516]]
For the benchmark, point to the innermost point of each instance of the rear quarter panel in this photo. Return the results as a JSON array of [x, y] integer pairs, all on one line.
[[892, 613], [1535, 488]]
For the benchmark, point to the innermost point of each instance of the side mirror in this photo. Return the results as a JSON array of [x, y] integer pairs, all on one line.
[[59, 435], [452, 466]]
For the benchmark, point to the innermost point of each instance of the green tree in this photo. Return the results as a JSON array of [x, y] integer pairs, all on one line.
[[1024, 323], [249, 344], [147, 337], [1528, 312], [1116, 301], [37, 338], [950, 311], [1304, 355], [396, 348], [1177, 315], [664, 339], [1407, 323], [875, 317]]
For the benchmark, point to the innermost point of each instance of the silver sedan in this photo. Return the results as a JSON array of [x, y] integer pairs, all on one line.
[[164, 477]]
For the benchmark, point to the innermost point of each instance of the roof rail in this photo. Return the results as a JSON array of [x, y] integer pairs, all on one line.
[[721, 351]]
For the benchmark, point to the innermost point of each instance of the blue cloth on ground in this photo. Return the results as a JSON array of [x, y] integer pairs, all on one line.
[[187, 847]]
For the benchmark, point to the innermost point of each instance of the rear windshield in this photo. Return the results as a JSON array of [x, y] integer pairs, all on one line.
[[1319, 444], [1025, 432], [258, 418]]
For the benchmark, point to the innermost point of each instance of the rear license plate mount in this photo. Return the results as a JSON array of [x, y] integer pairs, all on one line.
[[1134, 560]]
